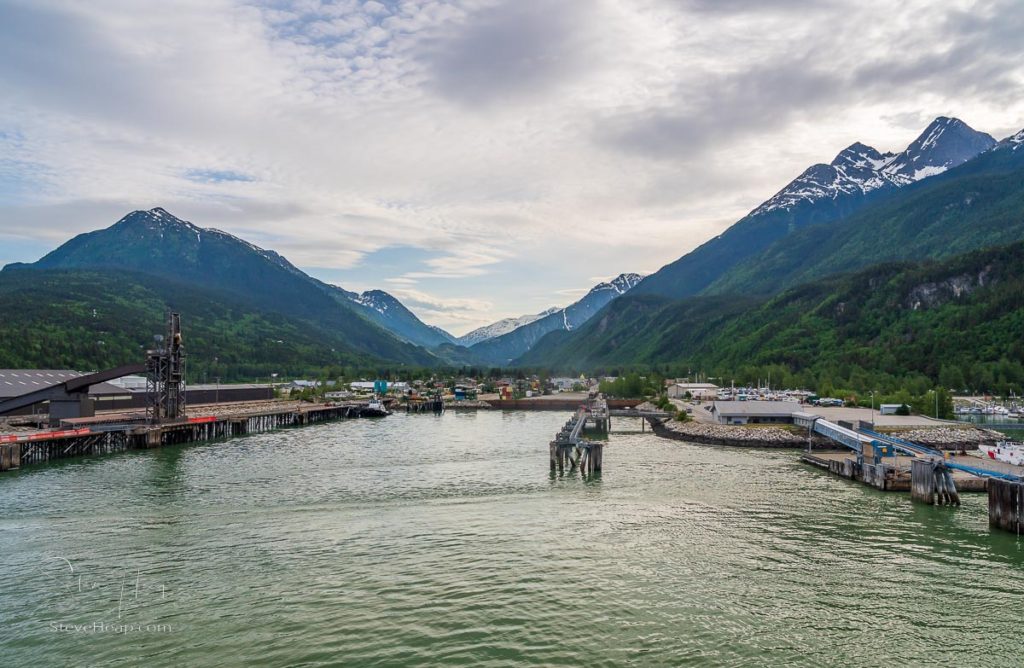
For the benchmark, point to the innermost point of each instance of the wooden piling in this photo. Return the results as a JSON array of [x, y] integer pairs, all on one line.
[[932, 483], [1005, 509]]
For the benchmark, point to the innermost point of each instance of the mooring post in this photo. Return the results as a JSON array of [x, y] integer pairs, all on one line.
[[1004, 505]]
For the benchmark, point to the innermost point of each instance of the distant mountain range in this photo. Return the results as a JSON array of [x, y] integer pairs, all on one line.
[[733, 302], [157, 243], [96, 299], [220, 269], [503, 349], [955, 322], [503, 326]]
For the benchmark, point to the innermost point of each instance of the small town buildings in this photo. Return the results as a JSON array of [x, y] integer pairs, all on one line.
[[754, 412]]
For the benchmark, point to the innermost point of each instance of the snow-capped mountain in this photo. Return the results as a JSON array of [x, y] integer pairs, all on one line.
[[385, 310], [503, 326], [945, 143], [821, 195], [510, 345]]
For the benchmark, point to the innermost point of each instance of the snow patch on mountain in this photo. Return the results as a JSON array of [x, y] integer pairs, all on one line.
[[503, 326], [861, 169], [1013, 142]]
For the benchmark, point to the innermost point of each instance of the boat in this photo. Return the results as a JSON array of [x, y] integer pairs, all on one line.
[[374, 408], [1004, 451]]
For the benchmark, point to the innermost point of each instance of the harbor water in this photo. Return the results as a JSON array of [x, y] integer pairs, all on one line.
[[422, 540]]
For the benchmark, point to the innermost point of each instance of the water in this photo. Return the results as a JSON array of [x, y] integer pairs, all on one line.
[[417, 540]]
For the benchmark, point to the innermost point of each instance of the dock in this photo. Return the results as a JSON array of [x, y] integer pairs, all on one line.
[[570, 450], [108, 434], [933, 477]]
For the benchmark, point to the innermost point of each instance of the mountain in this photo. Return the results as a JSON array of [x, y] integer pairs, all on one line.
[[503, 326], [99, 319], [159, 244], [948, 220], [821, 195], [502, 349], [383, 309], [974, 205], [956, 322]]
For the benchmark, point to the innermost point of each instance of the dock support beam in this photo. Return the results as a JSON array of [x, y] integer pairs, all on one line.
[[1006, 505], [931, 483]]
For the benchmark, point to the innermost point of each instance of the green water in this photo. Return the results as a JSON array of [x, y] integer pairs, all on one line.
[[417, 540]]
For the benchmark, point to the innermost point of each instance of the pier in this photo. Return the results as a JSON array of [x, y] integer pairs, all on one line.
[[120, 432], [570, 450], [931, 476]]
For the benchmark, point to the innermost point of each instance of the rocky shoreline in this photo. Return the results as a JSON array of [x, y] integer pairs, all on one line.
[[720, 434], [953, 437], [466, 404]]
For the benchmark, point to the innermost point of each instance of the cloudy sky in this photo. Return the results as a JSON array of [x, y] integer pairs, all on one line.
[[476, 158]]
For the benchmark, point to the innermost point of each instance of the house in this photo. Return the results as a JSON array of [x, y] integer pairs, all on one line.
[[754, 412], [695, 390]]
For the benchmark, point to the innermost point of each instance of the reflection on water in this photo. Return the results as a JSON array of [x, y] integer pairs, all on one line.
[[419, 540]]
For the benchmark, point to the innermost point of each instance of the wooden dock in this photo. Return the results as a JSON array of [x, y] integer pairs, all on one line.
[[118, 433], [894, 474], [569, 450]]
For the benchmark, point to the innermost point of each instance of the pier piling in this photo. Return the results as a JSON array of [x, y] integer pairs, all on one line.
[[1005, 509]]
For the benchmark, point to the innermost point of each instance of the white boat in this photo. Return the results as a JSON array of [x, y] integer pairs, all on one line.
[[375, 408], [1004, 451]]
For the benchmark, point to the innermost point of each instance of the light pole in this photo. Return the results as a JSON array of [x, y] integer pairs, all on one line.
[[872, 409]]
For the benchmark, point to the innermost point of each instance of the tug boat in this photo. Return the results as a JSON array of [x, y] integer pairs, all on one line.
[[375, 408], [1004, 451]]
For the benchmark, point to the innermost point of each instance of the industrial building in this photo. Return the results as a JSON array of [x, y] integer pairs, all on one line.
[[16, 382], [701, 391], [120, 393], [754, 412]]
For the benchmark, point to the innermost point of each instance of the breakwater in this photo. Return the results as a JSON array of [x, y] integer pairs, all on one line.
[[750, 437]]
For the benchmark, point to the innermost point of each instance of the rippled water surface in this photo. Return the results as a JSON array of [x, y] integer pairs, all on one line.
[[417, 540]]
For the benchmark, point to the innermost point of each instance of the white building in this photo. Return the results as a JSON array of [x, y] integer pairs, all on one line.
[[754, 412], [695, 390]]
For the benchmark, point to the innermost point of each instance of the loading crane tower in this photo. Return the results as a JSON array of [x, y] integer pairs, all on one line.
[[165, 375]]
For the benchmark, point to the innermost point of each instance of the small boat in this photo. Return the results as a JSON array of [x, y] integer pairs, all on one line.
[[1004, 451], [374, 408]]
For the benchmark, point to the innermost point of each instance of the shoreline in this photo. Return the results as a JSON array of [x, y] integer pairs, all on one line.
[[942, 437]]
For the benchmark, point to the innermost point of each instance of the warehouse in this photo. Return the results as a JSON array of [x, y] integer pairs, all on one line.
[[754, 412]]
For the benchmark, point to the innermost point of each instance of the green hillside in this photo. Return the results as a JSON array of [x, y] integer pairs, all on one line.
[[93, 319], [957, 322], [211, 262]]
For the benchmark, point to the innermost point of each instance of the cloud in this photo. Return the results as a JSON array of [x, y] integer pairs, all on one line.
[[216, 176], [513, 50], [516, 145]]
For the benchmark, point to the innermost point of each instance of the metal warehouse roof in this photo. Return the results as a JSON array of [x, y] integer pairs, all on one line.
[[757, 408], [15, 382]]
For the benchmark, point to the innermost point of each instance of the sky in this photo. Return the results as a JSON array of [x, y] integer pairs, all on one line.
[[478, 159]]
